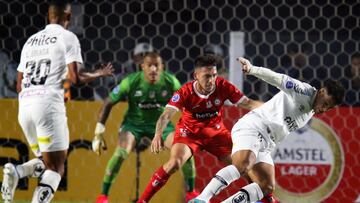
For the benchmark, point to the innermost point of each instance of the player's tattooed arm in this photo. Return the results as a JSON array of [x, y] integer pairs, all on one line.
[[157, 145], [250, 104]]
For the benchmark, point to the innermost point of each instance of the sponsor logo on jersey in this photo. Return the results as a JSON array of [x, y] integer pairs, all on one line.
[[291, 123], [155, 183], [308, 164], [289, 84], [42, 40], [175, 98], [138, 93], [301, 108], [183, 132], [148, 106], [205, 115], [116, 90]]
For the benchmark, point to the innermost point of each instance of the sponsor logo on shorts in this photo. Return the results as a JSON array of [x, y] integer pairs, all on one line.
[[314, 155], [175, 98]]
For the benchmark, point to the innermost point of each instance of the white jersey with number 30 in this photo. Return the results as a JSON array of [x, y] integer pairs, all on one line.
[[43, 62]]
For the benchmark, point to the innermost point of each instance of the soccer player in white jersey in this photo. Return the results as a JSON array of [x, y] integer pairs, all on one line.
[[46, 58], [256, 134]]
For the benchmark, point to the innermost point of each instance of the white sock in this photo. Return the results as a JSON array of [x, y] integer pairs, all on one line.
[[220, 181], [247, 194], [34, 168], [48, 185]]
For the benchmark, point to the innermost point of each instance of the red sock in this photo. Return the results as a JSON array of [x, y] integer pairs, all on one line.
[[158, 180], [268, 199]]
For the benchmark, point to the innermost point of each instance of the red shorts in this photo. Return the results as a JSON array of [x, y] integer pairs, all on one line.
[[216, 140]]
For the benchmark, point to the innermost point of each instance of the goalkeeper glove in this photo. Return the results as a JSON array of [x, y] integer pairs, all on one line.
[[99, 141]]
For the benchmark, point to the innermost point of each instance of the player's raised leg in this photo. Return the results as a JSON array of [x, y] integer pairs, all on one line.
[[125, 146], [179, 154], [188, 170]]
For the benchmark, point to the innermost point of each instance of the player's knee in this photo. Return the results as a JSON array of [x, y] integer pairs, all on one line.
[[59, 168], [173, 165], [243, 167], [267, 188]]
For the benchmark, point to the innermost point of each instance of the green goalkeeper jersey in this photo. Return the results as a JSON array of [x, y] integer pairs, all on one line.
[[146, 101]]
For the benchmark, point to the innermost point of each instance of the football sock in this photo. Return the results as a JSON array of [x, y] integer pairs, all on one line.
[[112, 168], [48, 185], [249, 193], [189, 173], [34, 168], [220, 181], [159, 178]]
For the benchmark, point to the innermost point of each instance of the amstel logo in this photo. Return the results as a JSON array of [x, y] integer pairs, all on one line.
[[308, 164]]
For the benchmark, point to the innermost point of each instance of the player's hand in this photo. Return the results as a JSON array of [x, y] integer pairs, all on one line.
[[156, 144], [98, 142], [246, 65], [106, 69]]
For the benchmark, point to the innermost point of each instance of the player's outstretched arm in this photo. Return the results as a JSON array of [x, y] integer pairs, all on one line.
[[250, 104], [77, 73], [157, 145], [265, 74], [98, 142]]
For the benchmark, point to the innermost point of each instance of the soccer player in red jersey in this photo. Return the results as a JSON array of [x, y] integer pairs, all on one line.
[[200, 126]]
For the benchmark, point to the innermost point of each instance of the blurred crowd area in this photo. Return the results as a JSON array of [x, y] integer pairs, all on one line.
[[308, 40]]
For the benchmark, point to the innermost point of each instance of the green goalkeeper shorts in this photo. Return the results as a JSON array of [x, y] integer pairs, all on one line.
[[145, 131]]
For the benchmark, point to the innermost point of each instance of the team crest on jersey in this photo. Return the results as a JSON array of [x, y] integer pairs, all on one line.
[[217, 102], [152, 94], [116, 90], [164, 93], [175, 98], [289, 84], [138, 93]]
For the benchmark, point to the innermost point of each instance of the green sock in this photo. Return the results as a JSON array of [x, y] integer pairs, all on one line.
[[189, 172], [112, 168]]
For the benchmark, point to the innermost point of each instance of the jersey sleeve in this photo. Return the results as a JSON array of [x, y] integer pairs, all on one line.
[[73, 49], [234, 94], [177, 100], [120, 91], [295, 87]]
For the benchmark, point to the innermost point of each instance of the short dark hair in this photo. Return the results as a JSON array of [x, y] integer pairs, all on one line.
[[205, 60], [335, 90], [356, 55]]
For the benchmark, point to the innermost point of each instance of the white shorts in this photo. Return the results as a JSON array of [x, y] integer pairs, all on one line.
[[249, 133], [45, 126]]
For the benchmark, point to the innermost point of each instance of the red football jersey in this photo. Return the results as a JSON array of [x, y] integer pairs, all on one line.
[[204, 110]]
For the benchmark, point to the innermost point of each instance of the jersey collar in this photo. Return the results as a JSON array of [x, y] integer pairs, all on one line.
[[201, 95]]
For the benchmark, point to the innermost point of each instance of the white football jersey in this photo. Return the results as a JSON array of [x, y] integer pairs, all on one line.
[[288, 110], [43, 62]]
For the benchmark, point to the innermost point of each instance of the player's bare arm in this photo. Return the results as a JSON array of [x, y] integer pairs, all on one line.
[[250, 104], [164, 119], [18, 82], [98, 142], [78, 74]]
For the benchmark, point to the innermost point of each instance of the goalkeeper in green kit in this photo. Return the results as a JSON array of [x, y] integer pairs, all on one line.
[[147, 92]]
